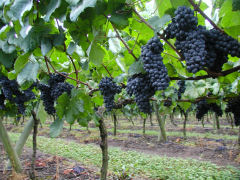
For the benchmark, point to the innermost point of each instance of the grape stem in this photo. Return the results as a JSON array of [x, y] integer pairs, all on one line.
[[74, 66], [223, 73], [107, 71], [69, 56], [160, 35], [78, 82], [47, 67], [124, 43], [197, 8]]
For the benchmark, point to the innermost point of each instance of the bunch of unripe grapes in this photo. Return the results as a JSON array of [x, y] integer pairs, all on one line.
[[233, 106], [51, 91], [141, 87], [10, 90], [108, 89], [200, 47], [203, 108]]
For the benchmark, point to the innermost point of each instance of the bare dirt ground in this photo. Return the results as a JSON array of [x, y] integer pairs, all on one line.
[[48, 167]]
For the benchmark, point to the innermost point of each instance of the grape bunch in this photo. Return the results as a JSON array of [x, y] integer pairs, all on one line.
[[48, 101], [153, 65], [233, 106], [200, 47], [141, 87], [51, 91], [168, 103], [2, 100], [183, 22], [11, 92], [203, 107], [108, 89], [181, 89]]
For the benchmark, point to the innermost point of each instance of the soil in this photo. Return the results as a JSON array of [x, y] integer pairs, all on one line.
[[48, 167]]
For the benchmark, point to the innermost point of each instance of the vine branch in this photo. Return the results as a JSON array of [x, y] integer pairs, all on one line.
[[124, 43], [78, 82], [107, 71], [197, 8], [223, 73]]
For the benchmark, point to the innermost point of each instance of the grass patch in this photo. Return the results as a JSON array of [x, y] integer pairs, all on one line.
[[180, 134], [140, 164]]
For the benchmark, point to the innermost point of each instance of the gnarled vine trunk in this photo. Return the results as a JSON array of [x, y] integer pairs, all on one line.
[[104, 148], [162, 134], [115, 124]]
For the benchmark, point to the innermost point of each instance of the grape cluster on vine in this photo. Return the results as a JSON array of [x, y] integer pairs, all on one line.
[[233, 106], [108, 89], [168, 102], [153, 65], [203, 108], [50, 92], [11, 91], [201, 48], [182, 88], [141, 87]]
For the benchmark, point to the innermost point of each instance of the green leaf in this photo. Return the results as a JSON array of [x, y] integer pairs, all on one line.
[[96, 53], [56, 128], [72, 2], [71, 48], [184, 105], [41, 114], [114, 43], [190, 92], [120, 20], [18, 8], [62, 103], [136, 68], [54, 4], [121, 64], [21, 61], [46, 46], [7, 59], [28, 73], [78, 9], [159, 23], [236, 5]]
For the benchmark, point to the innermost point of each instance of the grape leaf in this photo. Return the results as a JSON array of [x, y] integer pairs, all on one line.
[[18, 8], [56, 127], [158, 23], [7, 59], [136, 68], [54, 4], [78, 9], [28, 73], [21, 61], [235, 5], [96, 53]]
